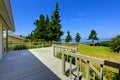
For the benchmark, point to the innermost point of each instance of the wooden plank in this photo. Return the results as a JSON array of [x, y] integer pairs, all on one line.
[[112, 64], [96, 71], [65, 47], [84, 57]]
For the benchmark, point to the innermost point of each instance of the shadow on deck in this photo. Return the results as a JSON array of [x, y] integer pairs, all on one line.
[[24, 65]]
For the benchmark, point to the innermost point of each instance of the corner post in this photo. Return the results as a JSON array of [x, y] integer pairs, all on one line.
[[1, 40], [7, 40]]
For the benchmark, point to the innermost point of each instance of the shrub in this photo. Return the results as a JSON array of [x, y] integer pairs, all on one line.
[[115, 44], [110, 75], [17, 47], [105, 43]]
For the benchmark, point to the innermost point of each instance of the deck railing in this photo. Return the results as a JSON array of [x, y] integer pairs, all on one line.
[[28, 45], [71, 56], [65, 43]]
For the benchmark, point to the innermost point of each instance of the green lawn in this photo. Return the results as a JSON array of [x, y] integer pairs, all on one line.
[[99, 52], [102, 53]]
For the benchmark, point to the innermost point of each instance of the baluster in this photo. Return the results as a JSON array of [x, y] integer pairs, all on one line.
[[87, 71], [101, 72], [93, 75], [80, 65], [67, 58]]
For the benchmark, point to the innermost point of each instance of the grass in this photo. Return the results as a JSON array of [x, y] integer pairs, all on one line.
[[99, 52], [103, 53]]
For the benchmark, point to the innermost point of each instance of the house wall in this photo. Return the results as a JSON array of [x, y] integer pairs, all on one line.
[[6, 23], [15, 40], [1, 41]]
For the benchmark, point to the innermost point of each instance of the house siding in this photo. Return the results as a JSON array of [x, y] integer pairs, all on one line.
[[15, 39]]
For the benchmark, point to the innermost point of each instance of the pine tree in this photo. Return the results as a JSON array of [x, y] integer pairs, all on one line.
[[77, 37], [47, 25], [55, 25], [68, 37], [93, 36], [39, 32]]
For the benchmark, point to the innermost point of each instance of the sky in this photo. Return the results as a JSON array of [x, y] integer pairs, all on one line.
[[76, 16]]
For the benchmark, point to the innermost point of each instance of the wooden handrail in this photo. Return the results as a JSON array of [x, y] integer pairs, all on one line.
[[68, 52]]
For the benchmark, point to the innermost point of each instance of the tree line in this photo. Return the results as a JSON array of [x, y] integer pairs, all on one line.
[[92, 36], [49, 29]]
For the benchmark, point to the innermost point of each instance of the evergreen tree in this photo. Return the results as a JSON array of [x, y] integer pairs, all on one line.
[[77, 38], [68, 37], [47, 25], [40, 31], [55, 25], [93, 36]]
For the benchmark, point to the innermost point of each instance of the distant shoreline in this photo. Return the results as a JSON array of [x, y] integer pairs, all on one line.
[[85, 40]]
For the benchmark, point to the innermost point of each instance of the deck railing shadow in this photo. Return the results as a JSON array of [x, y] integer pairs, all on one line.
[[70, 55]]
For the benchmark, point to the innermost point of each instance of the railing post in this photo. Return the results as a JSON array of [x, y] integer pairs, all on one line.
[[7, 40], [119, 75], [53, 43], [87, 71], [101, 72], [53, 50], [76, 51], [63, 63], [42, 45], [29, 45], [77, 64], [70, 68]]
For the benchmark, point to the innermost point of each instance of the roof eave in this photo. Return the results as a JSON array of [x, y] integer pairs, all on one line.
[[6, 15]]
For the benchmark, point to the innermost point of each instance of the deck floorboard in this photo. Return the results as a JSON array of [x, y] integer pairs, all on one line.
[[32, 64]]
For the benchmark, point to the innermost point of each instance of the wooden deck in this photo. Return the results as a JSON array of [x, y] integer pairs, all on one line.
[[33, 64]]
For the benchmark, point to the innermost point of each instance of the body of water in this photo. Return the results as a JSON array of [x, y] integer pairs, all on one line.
[[85, 40]]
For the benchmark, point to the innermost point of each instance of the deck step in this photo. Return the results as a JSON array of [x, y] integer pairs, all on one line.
[[73, 73]]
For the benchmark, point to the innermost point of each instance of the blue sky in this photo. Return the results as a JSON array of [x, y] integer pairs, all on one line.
[[76, 16]]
